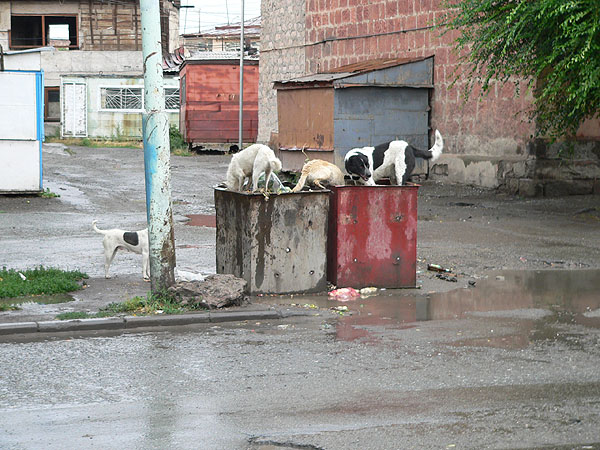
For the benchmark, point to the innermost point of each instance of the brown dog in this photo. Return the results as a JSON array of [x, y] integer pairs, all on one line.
[[318, 171]]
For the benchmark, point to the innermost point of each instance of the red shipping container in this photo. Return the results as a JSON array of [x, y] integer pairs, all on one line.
[[372, 238]]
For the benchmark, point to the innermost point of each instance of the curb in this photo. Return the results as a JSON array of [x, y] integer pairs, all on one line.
[[132, 322]]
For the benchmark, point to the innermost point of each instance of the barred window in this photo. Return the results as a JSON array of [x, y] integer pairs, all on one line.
[[122, 98], [172, 98]]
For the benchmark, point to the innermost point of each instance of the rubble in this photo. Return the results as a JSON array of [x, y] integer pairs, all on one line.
[[216, 291]]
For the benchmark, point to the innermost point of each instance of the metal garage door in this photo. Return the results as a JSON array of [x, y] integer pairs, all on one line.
[[368, 116]]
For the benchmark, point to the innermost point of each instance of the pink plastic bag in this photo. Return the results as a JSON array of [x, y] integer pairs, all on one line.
[[344, 294]]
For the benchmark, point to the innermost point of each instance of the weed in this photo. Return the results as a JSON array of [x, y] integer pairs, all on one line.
[[86, 142], [38, 281], [176, 140], [48, 194], [157, 303], [8, 307]]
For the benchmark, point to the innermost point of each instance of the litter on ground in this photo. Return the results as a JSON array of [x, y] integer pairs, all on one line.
[[344, 294]]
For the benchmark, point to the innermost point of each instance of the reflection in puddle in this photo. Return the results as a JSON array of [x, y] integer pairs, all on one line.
[[40, 299], [202, 220], [543, 299]]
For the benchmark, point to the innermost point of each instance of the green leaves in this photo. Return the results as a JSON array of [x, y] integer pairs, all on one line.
[[554, 44]]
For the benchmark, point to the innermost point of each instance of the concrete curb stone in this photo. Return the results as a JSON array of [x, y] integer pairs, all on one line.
[[107, 323], [237, 316], [18, 327], [131, 322], [166, 321]]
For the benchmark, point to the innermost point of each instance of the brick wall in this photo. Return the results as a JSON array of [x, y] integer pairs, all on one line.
[[486, 142], [347, 31]]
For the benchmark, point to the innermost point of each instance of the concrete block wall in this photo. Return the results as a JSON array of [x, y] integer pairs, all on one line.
[[282, 56]]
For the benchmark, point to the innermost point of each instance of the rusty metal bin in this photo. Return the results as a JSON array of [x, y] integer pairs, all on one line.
[[372, 237], [278, 245]]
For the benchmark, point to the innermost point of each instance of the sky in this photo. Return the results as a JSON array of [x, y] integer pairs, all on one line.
[[210, 13]]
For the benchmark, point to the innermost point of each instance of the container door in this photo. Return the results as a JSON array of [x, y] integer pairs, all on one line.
[[74, 110], [20, 136], [369, 116]]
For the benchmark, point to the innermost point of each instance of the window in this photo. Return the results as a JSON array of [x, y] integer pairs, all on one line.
[[171, 98], [52, 104], [122, 98], [132, 98], [29, 31]]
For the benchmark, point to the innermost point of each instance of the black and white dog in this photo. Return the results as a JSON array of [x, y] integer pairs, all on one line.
[[395, 159], [134, 241]]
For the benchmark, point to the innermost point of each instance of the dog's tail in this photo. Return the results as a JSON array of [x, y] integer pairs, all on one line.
[[96, 229], [301, 182], [434, 152]]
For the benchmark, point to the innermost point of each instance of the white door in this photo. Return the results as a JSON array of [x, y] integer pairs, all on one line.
[[18, 115], [74, 109], [20, 151]]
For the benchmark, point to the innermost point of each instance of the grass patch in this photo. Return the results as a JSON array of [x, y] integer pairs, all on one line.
[[39, 281], [74, 315], [8, 307], [159, 303]]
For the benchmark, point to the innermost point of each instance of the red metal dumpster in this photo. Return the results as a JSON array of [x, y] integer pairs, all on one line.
[[372, 237]]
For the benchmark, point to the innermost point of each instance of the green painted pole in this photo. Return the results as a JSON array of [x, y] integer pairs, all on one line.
[[155, 127]]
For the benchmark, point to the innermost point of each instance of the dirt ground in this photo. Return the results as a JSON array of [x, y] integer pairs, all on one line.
[[471, 231]]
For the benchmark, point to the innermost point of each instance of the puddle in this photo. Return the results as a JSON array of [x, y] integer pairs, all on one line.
[[39, 299], [545, 298], [202, 220], [70, 194]]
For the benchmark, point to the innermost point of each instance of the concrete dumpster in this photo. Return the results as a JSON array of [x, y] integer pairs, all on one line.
[[278, 245], [372, 237]]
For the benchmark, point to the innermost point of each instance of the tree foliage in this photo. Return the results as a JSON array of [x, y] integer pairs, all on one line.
[[553, 44]]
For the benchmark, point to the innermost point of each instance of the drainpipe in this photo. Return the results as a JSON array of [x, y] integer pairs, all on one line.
[[241, 117], [155, 126], [1, 59]]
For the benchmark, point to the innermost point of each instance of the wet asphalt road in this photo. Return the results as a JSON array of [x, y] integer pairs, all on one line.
[[511, 363], [494, 380]]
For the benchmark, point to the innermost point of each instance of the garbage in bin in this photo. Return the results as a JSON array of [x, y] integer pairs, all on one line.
[[275, 184]]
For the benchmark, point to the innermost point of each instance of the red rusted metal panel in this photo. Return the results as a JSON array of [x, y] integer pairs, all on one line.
[[210, 109], [372, 238]]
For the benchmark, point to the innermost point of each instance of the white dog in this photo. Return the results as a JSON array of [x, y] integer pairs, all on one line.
[[250, 163], [134, 241]]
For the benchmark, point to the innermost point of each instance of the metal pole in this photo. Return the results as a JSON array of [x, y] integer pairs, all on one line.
[[155, 126], [241, 117]]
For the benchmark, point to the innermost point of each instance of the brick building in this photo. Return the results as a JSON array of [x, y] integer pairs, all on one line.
[[487, 143]]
